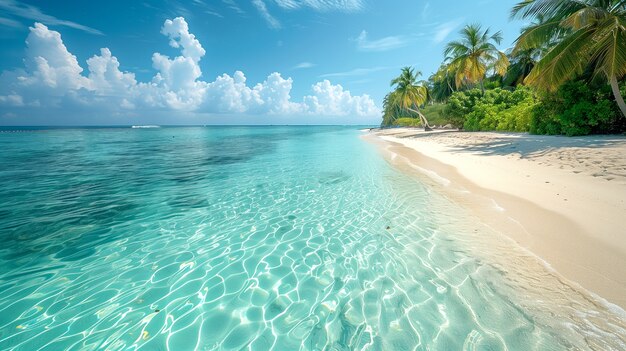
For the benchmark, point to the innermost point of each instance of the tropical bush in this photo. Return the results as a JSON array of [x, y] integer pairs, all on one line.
[[460, 104], [436, 114], [407, 122], [577, 108], [497, 109]]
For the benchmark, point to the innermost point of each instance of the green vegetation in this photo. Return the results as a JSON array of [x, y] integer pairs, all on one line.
[[589, 35], [565, 75], [436, 117], [409, 94], [436, 114], [577, 109], [407, 122], [471, 56], [496, 109]]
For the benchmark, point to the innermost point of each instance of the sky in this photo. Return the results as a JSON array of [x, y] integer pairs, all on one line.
[[169, 62]]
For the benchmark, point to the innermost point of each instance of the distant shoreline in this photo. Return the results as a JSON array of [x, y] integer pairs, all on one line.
[[564, 199]]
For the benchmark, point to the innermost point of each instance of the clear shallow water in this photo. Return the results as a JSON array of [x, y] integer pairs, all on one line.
[[256, 238]]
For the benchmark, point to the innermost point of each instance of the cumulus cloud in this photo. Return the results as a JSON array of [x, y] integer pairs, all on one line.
[[332, 99], [53, 78], [178, 32], [105, 75], [50, 62], [231, 94]]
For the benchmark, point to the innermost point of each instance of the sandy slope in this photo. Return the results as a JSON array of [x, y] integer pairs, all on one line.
[[562, 198]]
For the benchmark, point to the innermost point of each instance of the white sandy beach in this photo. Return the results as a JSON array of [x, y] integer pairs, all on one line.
[[562, 198]]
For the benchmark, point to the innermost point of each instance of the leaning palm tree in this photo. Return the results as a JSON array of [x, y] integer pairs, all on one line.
[[474, 54], [592, 35], [409, 94]]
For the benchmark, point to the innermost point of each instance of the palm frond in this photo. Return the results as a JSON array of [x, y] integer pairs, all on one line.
[[474, 54], [537, 35], [609, 51], [497, 37], [501, 64], [455, 48], [563, 62], [584, 17], [554, 9]]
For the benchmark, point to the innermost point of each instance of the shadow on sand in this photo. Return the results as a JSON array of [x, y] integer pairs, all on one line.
[[523, 144]]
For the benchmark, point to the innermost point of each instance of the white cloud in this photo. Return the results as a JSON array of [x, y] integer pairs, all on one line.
[[231, 95], [29, 12], [322, 5], [275, 94], [105, 75], [10, 23], [317, 5], [49, 61], [356, 72], [178, 32], [260, 5], [11, 100], [233, 6], [178, 77], [52, 79], [382, 44], [213, 13], [175, 74], [443, 30], [303, 65], [329, 99], [426, 10]]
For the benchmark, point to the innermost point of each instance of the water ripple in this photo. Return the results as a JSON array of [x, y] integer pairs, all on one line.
[[259, 238]]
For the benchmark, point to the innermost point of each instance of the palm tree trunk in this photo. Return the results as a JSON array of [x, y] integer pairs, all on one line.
[[450, 86], [427, 127], [482, 87], [618, 96]]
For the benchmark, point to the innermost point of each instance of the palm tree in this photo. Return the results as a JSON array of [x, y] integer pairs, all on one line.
[[592, 35], [474, 54], [390, 111], [522, 63], [408, 95], [442, 84]]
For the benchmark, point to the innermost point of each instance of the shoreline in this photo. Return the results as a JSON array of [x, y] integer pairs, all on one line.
[[535, 190]]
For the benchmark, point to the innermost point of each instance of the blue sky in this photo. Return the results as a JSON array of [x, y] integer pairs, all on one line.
[[176, 62]]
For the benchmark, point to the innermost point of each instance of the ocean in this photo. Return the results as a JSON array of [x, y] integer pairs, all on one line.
[[259, 238]]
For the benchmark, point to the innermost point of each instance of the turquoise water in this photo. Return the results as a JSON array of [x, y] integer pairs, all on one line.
[[257, 238]]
